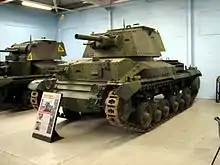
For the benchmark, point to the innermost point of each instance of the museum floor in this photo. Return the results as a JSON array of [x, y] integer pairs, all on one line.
[[189, 138]]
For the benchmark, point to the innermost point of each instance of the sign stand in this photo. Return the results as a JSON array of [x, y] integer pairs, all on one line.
[[46, 118], [55, 137]]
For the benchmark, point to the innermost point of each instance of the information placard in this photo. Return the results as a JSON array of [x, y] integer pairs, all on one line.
[[44, 128]]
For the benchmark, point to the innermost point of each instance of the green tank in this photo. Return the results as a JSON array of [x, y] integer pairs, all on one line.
[[24, 63], [122, 77]]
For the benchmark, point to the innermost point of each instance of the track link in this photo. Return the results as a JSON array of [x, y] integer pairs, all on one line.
[[35, 99]]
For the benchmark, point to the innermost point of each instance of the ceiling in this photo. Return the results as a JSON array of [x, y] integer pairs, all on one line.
[[65, 5]]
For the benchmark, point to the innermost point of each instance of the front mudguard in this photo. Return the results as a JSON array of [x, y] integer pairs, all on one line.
[[127, 90], [45, 85]]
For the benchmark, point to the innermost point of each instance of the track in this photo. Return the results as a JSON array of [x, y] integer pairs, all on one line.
[[35, 99], [113, 110]]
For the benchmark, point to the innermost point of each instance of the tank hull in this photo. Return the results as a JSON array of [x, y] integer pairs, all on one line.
[[79, 97], [166, 88]]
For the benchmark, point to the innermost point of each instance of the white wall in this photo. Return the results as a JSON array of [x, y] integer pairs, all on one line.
[[18, 23], [207, 43]]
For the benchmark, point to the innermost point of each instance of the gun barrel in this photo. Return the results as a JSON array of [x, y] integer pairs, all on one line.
[[87, 37], [9, 50]]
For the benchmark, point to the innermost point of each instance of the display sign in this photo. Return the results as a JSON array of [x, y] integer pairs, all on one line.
[[44, 128], [60, 49]]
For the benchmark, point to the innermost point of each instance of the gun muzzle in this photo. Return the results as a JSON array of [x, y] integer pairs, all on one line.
[[87, 37]]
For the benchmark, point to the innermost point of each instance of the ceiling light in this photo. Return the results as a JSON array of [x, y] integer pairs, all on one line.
[[120, 1], [36, 5], [6, 1]]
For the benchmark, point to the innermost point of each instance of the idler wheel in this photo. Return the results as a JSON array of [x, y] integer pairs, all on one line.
[[164, 107], [145, 114], [187, 97], [174, 105]]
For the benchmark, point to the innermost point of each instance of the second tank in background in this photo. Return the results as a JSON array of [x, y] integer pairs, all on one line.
[[26, 62]]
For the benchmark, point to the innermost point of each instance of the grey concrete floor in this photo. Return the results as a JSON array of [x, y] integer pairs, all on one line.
[[189, 138]]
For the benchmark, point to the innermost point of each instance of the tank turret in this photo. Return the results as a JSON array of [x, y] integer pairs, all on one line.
[[127, 42], [36, 50]]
